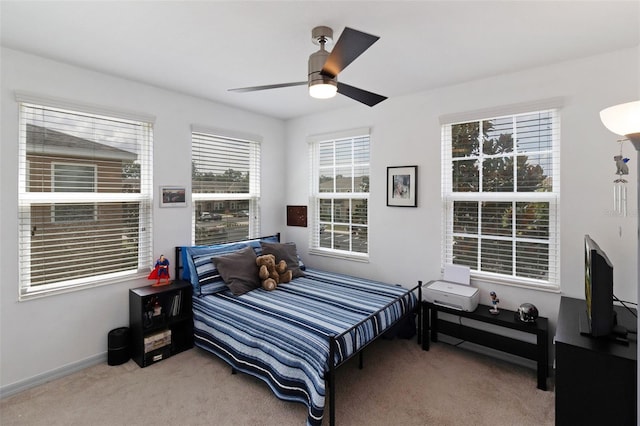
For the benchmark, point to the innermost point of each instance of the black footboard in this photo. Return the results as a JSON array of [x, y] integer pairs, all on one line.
[[333, 347]]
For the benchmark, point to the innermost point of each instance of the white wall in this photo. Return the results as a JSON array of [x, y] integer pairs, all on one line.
[[53, 335], [46, 337], [405, 242]]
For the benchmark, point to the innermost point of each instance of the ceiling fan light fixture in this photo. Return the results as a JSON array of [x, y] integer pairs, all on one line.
[[323, 89], [324, 67]]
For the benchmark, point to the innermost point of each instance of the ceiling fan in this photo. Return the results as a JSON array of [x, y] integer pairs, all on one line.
[[324, 66]]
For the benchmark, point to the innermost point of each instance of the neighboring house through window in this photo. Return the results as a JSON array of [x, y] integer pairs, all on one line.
[[225, 185], [500, 193], [73, 178], [84, 198], [339, 194]]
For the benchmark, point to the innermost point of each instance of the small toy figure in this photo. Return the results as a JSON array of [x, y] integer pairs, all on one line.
[[160, 271], [494, 302], [621, 165], [157, 309]]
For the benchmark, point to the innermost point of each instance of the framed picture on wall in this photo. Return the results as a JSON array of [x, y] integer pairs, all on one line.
[[402, 186], [297, 216], [173, 196]]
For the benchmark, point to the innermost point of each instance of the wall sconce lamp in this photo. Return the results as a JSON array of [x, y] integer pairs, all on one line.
[[624, 120]]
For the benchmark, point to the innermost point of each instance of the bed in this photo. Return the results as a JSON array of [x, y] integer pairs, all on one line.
[[292, 338]]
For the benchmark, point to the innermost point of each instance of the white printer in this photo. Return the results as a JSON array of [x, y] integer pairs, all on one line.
[[453, 291]]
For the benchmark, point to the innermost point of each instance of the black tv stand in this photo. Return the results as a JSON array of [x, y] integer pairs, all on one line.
[[595, 377], [617, 335]]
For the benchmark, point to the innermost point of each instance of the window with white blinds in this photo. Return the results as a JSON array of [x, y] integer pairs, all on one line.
[[225, 186], [339, 194], [85, 196], [500, 193]]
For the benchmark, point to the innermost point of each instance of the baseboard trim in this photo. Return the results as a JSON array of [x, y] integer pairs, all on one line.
[[39, 379]]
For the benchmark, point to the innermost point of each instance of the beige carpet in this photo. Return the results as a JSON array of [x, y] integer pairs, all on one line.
[[400, 385]]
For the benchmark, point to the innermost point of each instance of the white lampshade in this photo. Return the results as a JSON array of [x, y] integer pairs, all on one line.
[[323, 90], [623, 119]]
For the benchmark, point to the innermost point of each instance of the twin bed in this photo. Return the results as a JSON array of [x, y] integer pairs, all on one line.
[[294, 337]]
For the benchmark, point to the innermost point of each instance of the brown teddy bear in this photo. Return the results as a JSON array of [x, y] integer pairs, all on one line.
[[272, 273]]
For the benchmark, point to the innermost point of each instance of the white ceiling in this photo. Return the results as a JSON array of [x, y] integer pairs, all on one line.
[[203, 48]]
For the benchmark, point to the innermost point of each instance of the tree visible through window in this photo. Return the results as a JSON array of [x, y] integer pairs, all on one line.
[[500, 196]]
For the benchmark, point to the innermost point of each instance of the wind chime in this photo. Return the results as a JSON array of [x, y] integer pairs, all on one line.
[[620, 183]]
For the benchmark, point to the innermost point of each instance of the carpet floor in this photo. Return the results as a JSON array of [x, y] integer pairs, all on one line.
[[400, 385]]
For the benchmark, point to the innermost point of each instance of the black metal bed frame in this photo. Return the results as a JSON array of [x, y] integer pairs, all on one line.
[[333, 338]]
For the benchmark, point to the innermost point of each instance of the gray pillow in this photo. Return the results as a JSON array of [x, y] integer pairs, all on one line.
[[238, 270], [286, 252]]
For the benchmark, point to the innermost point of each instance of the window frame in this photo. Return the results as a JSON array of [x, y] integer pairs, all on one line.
[[28, 198], [449, 196], [253, 196], [316, 196]]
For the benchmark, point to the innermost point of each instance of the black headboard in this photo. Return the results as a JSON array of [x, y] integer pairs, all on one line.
[[178, 256]]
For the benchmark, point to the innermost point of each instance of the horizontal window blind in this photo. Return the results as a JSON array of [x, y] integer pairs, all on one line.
[[340, 178], [500, 192], [84, 198], [225, 185]]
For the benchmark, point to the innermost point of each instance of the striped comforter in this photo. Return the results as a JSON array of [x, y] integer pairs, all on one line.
[[282, 337]]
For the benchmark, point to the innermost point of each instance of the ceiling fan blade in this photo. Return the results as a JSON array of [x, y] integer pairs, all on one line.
[[367, 98], [351, 44], [269, 86]]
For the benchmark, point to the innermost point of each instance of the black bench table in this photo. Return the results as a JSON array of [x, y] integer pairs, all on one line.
[[538, 351]]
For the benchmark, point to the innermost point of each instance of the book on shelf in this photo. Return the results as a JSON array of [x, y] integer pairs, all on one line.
[[176, 301], [157, 340]]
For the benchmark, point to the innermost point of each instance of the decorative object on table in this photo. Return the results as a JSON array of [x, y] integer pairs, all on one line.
[[160, 272], [402, 186], [494, 302], [527, 312]]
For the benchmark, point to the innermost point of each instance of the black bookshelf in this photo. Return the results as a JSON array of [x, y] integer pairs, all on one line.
[[160, 321]]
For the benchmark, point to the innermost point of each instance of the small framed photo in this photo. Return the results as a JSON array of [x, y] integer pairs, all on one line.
[[402, 186], [173, 196]]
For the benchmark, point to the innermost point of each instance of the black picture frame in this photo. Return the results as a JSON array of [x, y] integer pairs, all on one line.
[[402, 186]]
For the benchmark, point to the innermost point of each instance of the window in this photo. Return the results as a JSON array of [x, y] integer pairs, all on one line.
[[500, 197], [84, 198], [225, 185], [340, 194], [73, 178]]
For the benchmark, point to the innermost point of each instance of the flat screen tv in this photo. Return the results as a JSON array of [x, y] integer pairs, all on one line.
[[598, 291]]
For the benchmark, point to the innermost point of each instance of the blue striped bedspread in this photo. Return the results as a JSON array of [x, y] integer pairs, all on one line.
[[282, 337]]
